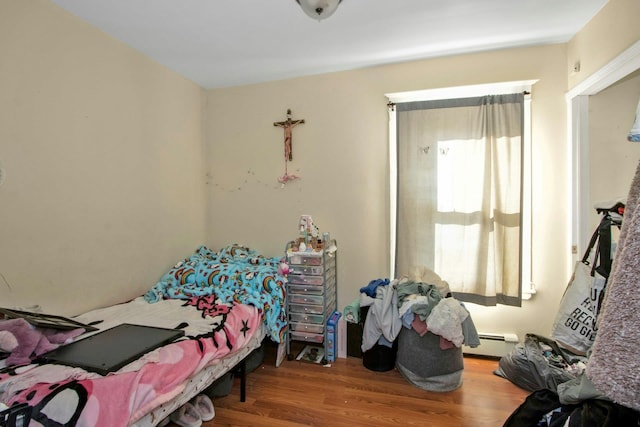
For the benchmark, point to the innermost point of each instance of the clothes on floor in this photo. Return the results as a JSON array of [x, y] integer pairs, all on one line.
[[409, 292], [446, 320], [371, 288], [451, 320], [382, 319], [543, 408], [351, 312], [414, 303]]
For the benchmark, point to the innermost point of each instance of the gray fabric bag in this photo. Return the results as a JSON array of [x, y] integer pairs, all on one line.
[[424, 364]]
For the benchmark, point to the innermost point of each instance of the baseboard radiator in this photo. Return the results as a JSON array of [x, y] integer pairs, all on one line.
[[493, 345]]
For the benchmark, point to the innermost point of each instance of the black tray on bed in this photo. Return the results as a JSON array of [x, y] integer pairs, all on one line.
[[43, 320], [111, 349]]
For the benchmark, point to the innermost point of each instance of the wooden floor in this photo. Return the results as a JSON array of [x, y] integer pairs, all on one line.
[[348, 394]]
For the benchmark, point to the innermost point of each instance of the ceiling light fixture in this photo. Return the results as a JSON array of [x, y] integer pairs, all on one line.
[[319, 9]]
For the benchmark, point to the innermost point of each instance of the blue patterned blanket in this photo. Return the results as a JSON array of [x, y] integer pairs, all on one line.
[[234, 274]]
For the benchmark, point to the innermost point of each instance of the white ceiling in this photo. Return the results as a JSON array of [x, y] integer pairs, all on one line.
[[221, 43]]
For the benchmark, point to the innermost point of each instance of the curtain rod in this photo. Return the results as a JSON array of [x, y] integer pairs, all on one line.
[[392, 105]]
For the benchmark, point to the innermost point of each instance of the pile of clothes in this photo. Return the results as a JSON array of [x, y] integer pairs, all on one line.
[[414, 305], [428, 327]]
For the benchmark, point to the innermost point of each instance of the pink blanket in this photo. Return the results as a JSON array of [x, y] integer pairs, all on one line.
[[70, 396]]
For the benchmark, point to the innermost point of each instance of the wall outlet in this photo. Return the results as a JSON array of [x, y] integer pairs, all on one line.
[[576, 67]]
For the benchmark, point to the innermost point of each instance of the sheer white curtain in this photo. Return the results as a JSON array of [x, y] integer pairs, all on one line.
[[459, 194]]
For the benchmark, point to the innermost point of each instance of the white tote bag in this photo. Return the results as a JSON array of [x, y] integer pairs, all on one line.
[[574, 327]]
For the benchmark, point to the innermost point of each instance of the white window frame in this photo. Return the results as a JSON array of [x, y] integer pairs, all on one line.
[[528, 287]]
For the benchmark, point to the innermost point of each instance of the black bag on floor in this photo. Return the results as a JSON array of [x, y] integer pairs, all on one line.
[[543, 408]]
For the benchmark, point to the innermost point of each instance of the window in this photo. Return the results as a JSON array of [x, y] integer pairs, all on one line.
[[461, 206]]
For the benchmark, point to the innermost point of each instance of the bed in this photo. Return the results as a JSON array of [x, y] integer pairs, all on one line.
[[225, 302]]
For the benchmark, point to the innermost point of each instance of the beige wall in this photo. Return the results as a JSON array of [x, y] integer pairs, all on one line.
[[106, 183], [341, 154], [102, 148], [612, 159], [609, 33]]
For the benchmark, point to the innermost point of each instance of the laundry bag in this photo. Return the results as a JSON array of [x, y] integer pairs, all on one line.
[[538, 363], [425, 365]]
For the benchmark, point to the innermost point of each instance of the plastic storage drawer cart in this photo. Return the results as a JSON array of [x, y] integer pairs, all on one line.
[[311, 295]]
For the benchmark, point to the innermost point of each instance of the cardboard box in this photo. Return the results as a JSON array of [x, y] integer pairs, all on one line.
[[331, 346]]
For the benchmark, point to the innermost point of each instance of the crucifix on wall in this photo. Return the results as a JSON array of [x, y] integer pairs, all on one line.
[[288, 125]]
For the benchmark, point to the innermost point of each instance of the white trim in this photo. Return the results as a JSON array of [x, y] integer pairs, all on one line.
[[528, 287], [393, 190], [622, 65], [578, 112], [462, 91]]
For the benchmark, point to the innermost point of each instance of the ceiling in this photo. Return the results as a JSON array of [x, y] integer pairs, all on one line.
[[222, 43]]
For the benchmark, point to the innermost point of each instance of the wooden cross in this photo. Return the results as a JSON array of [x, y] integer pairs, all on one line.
[[288, 125]]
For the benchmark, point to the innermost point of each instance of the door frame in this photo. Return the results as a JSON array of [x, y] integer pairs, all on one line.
[[578, 135]]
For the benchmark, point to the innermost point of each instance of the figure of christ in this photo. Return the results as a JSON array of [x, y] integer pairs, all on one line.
[[288, 125]]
